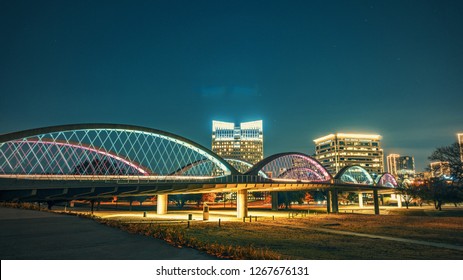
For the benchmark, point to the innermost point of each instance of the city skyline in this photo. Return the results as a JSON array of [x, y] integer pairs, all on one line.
[[305, 68]]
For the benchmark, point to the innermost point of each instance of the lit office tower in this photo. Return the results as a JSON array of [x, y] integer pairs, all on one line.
[[406, 168], [440, 169], [392, 160], [336, 151], [244, 142], [401, 167]]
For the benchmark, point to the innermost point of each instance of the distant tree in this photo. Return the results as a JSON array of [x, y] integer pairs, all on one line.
[[439, 192], [208, 197], [258, 195], [318, 196], [308, 198], [408, 191], [445, 189], [286, 198], [177, 199], [450, 154], [181, 199], [346, 197]]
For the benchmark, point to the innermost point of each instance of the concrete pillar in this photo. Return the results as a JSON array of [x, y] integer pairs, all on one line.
[[361, 200], [242, 203], [376, 201], [92, 204], [399, 200], [334, 201], [161, 206], [274, 201], [50, 204], [328, 202]]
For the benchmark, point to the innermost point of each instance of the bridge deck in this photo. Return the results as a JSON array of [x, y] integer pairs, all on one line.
[[68, 187]]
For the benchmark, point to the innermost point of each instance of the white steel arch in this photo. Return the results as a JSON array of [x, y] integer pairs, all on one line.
[[59, 149]]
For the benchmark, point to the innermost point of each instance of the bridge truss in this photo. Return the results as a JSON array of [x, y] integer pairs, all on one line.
[[94, 161]]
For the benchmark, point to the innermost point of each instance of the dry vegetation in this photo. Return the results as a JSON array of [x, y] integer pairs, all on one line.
[[296, 238], [178, 236]]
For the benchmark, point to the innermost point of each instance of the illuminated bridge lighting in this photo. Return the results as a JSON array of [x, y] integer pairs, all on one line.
[[88, 161]]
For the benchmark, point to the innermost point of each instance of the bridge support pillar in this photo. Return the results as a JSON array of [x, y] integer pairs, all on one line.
[[274, 201], [328, 202], [92, 205], [376, 201], [334, 201], [161, 206], [361, 200], [399, 200], [242, 203]]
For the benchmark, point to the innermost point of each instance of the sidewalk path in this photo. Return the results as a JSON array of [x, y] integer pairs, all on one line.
[[427, 243], [33, 235]]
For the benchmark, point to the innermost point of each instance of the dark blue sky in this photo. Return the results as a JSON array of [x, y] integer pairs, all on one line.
[[306, 68]]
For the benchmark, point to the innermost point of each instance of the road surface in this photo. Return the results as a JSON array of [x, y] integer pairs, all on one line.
[[34, 235]]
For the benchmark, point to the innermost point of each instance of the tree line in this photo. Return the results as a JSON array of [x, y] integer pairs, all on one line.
[[446, 188]]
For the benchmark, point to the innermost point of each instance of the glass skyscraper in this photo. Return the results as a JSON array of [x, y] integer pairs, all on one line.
[[243, 142], [401, 167], [336, 151]]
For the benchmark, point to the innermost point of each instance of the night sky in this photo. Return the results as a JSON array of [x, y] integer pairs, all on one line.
[[306, 68]]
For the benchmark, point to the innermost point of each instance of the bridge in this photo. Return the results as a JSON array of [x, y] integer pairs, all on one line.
[[100, 161]]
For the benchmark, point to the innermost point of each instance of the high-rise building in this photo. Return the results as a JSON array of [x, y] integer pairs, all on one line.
[[406, 167], [392, 160], [401, 167], [440, 169], [244, 142], [336, 151], [460, 142]]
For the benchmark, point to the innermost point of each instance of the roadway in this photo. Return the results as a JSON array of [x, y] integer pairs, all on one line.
[[34, 235]]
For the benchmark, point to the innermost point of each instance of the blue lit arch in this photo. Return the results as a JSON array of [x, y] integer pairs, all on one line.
[[140, 150], [355, 175]]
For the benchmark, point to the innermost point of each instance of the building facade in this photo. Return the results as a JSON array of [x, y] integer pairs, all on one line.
[[243, 142], [401, 167], [336, 151], [440, 169], [392, 161]]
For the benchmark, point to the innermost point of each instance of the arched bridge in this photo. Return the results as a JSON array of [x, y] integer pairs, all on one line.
[[94, 161]]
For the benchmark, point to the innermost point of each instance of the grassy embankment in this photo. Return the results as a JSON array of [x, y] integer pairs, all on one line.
[[296, 238]]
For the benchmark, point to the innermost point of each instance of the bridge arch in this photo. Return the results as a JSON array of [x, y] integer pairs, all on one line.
[[152, 151], [240, 165], [117, 162], [292, 165], [355, 175], [386, 180]]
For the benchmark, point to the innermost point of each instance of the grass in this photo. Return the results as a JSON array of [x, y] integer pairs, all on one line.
[[180, 237], [295, 238]]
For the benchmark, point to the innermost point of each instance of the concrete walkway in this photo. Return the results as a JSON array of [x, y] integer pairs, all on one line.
[[412, 241], [374, 236], [33, 235]]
